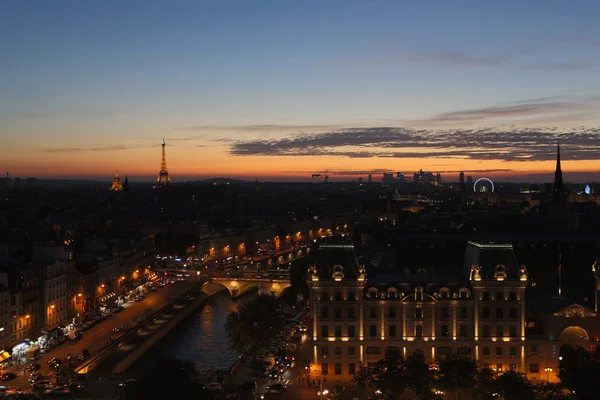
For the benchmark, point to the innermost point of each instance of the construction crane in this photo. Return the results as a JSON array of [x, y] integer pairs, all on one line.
[[325, 176]]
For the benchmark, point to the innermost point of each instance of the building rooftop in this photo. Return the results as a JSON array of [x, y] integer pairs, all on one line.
[[488, 255]]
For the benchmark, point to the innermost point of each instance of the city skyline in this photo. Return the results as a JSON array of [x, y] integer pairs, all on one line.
[[281, 91]]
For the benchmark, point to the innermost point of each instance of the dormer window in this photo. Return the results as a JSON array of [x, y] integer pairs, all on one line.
[[419, 293], [464, 293], [372, 293], [445, 293], [392, 293]]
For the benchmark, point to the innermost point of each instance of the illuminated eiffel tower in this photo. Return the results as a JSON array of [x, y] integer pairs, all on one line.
[[163, 176]]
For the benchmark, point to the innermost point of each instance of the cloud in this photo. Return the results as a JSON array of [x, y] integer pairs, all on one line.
[[462, 59], [567, 66], [501, 143], [267, 128], [92, 149], [556, 106]]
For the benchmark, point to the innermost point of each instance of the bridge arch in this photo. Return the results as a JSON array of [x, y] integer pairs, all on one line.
[[212, 287], [240, 286]]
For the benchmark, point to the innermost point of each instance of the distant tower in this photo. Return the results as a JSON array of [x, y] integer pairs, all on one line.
[[163, 176], [117, 186], [461, 178], [370, 179], [559, 186], [126, 184]]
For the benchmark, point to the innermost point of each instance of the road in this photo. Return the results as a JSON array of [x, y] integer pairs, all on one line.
[[97, 336]]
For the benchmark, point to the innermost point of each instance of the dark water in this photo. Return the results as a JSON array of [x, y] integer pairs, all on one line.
[[201, 338]]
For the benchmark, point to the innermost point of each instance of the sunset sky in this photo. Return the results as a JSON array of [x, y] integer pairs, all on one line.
[[282, 89]]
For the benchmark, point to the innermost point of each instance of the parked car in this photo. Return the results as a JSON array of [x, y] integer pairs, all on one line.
[[8, 376], [53, 360], [213, 386], [244, 386], [129, 383], [58, 391], [32, 367], [276, 388], [43, 384]]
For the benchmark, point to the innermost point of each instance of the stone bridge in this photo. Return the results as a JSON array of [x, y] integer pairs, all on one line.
[[238, 286]]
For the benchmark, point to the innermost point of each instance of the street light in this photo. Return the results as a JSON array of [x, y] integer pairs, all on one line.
[[548, 370]]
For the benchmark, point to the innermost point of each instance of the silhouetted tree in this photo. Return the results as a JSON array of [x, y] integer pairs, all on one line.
[[252, 328], [456, 373], [171, 378], [579, 371], [513, 385]]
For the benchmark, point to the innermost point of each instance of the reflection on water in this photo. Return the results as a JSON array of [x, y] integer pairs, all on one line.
[[201, 338]]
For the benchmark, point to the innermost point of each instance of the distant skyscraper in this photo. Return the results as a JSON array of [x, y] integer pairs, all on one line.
[[370, 179], [163, 176], [116, 186], [126, 184], [559, 186], [461, 178]]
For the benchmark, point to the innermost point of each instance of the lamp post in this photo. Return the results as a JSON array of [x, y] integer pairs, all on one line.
[[548, 370]]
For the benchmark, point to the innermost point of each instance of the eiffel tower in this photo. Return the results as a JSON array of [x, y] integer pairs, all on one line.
[[163, 176]]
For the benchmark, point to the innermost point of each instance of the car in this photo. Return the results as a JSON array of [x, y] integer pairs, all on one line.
[[129, 383], [32, 367], [35, 376], [276, 388], [119, 309], [117, 329], [213, 386], [274, 374], [303, 328], [8, 376], [249, 385], [53, 360], [137, 298], [58, 391], [75, 386], [43, 384]]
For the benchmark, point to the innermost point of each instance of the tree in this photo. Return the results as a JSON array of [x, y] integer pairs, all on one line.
[[579, 371], [419, 375], [390, 375], [486, 382], [513, 385], [178, 378], [456, 373], [252, 328], [550, 391]]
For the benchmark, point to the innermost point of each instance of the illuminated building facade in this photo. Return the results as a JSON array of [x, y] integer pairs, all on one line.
[[117, 185], [55, 295], [356, 315]]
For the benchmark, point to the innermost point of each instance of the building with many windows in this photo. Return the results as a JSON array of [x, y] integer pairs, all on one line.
[[359, 314]]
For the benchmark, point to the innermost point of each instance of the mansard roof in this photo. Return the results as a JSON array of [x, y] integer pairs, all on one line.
[[488, 255], [331, 254]]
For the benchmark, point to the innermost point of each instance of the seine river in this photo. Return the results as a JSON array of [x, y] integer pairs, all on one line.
[[201, 338]]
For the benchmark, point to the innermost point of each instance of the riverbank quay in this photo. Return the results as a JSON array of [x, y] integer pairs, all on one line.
[[107, 348], [185, 311], [124, 354], [95, 339]]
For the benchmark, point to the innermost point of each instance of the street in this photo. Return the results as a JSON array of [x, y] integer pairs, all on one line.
[[97, 336]]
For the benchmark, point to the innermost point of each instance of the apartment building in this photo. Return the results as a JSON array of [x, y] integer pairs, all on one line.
[[359, 314]]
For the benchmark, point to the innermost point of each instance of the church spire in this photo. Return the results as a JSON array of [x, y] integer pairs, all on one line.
[[559, 186]]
